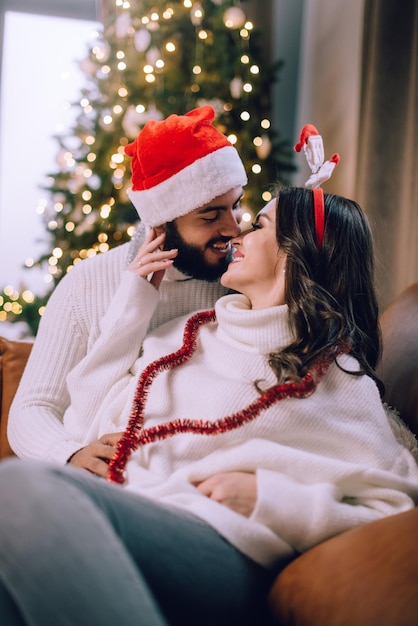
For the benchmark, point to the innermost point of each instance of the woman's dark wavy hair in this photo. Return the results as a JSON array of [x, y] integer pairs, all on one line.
[[329, 290]]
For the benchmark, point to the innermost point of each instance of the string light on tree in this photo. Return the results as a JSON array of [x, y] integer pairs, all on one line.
[[234, 17]]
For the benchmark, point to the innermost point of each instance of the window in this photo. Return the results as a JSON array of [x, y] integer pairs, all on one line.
[[40, 78]]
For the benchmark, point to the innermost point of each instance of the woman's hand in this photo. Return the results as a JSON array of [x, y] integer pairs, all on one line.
[[236, 490], [96, 456], [151, 260]]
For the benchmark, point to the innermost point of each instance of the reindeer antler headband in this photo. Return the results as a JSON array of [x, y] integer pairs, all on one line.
[[311, 142]]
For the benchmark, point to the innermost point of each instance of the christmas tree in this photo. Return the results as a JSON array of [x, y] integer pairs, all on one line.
[[152, 58]]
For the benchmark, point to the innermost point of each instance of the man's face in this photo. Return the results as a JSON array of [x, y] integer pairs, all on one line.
[[203, 236]]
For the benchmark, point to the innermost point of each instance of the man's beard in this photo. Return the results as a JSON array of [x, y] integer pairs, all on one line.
[[191, 259]]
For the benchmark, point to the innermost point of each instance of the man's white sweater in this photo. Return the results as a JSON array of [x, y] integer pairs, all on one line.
[[69, 330], [323, 464]]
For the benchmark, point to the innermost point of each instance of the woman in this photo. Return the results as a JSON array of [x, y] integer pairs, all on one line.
[[258, 435]]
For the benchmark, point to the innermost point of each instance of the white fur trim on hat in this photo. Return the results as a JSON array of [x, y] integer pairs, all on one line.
[[192, 187]]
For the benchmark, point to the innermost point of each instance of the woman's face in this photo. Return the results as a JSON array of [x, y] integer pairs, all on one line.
[[258, 265]]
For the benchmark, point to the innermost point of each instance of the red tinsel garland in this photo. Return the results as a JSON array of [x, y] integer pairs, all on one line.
[[135, 435]]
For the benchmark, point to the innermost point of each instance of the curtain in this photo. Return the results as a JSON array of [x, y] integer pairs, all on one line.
[[387, 163], [330, 85]]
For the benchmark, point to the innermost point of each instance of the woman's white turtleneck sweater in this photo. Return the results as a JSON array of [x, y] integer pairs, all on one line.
[[323, 463]]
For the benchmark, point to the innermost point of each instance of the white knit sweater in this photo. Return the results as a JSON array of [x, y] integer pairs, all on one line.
[[323, 464], [90, 296]]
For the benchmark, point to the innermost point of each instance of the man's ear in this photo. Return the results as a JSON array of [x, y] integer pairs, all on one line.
[[159, 230]]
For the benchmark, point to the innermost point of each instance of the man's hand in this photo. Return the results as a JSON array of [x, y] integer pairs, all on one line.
[[151, 260], [236, 490], [96, 455]]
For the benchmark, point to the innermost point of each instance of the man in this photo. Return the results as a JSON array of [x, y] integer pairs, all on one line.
[[187, 182]]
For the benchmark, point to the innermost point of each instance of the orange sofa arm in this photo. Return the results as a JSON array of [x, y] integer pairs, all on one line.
[[13, 357], [367, 576]]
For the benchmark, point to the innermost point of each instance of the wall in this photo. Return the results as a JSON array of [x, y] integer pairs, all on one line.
[[287, 18]]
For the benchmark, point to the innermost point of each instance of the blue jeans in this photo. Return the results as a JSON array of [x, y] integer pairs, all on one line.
[[78, 551]]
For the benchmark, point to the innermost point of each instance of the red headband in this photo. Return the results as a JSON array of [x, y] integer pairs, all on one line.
[[319, 212], [311, 142]]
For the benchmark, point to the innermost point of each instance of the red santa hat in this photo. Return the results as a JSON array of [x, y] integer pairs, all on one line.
[[311, 142], [180, 164], [309, 130]]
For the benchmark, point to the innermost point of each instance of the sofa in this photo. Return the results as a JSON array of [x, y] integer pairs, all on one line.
[[367, 576]]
